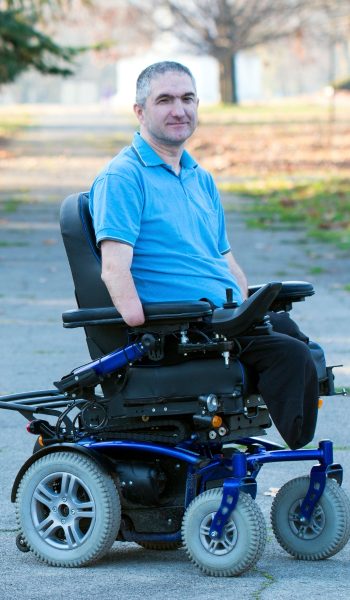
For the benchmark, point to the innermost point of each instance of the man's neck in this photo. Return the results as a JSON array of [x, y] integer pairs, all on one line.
[[170, 154]]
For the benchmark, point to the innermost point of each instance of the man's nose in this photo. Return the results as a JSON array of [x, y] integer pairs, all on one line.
[[177, 109]]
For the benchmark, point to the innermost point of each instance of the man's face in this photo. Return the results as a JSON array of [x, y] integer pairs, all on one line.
[[170, 113]]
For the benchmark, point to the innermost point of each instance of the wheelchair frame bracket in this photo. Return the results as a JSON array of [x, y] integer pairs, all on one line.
[[231, 489]]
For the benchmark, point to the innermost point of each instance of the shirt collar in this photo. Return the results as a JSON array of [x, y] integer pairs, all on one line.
[[150, 158]]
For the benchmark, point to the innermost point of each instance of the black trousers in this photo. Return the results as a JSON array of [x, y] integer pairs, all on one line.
[[287, 378]]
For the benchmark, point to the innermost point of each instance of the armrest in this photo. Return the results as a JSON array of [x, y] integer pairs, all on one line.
[[233, 322], [291, 291], [155, 312]]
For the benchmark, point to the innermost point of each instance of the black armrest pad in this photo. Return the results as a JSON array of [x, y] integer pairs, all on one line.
[[154, 311], [291, 291]]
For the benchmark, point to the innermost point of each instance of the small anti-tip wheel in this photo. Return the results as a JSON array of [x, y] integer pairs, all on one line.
[[68, 509], [21, 544], [328, 529], [241, 544], [164, 546]]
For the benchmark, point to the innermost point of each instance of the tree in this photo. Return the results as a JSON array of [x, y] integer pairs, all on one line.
[[222, 28], [23, 45], [329, 25]]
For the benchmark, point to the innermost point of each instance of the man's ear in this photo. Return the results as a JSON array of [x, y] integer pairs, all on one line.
[[138, 110]]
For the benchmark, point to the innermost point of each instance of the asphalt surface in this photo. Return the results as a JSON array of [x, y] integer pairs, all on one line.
[[35, 288]]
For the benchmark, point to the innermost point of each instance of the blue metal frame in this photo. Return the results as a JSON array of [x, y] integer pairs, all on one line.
[[239, 474]]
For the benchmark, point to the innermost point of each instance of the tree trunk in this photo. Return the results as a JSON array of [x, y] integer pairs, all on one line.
[[228, 88]]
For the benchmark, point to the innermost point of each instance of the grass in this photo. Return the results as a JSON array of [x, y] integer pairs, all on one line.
[[10, 205], [288, 161], [11, 122], [277, 111], [5, 244], [268, 580], [321, 205]]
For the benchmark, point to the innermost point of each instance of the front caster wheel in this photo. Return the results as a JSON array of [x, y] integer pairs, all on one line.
[[68, 509], [241, 544], [328, 529]]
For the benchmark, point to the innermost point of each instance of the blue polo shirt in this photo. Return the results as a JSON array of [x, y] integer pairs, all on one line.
[[175, 224]]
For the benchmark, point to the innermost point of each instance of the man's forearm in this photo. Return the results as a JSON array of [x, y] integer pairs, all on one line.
[[116, 274], [238, 274]]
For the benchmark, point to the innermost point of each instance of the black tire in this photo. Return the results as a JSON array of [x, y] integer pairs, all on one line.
[[20, 543], [325, 534], [241, 544], [68, 509], [164, 546]]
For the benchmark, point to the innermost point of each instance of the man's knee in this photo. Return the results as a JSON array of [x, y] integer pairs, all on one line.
[[282, 323], [294, 349]]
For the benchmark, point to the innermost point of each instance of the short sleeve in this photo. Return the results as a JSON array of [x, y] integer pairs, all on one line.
[[116, 205]]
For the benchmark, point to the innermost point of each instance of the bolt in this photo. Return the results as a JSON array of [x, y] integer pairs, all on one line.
[[64, 499], [131, 482], [63, 521], [54, 509], [73, 512], [214, 534]]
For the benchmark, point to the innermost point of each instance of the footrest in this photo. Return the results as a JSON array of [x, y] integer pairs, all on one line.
[[159, 312]]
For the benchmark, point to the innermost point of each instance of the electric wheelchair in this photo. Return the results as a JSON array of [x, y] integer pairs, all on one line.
[[160, 438]]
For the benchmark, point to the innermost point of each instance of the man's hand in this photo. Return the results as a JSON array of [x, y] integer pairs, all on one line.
[[116, 263]]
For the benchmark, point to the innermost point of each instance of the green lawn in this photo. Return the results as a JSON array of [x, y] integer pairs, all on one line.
[[290, 160]]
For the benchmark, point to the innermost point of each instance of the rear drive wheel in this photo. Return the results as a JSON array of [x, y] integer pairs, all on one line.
[[68, 509]]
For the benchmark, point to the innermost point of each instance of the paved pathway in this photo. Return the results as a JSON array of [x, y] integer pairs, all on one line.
[[59, 155]]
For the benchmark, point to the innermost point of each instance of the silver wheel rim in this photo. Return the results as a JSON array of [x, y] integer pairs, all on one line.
[[306, 530], [63, 511], [222, 545]]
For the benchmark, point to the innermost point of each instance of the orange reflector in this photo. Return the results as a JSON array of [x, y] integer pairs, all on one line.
[[216, 421], [40, 440], [320, 402]]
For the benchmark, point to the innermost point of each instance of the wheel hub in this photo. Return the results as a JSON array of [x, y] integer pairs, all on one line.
[[63, 510], [306, 529], [218, 545]]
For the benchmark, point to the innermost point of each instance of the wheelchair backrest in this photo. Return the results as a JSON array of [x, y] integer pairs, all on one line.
[[85, 264]]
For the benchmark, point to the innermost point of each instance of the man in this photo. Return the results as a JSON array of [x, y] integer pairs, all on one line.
[[160, 224]]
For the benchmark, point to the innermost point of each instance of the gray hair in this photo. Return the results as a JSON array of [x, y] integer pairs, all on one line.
[[144, 80]]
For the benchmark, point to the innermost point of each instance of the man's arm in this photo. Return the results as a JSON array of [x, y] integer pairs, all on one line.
[[238, 274], [116, 274]]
